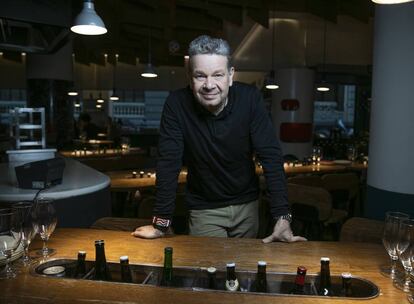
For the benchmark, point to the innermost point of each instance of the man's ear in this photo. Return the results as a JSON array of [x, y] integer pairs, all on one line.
[[231, 74]]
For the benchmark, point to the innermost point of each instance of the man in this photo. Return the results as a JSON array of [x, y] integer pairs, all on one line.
[[215, 126]]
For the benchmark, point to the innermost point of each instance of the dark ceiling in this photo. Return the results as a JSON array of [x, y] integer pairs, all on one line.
[[42, 26]]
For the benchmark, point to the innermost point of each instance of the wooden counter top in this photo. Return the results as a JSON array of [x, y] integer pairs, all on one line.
[[361, 259]]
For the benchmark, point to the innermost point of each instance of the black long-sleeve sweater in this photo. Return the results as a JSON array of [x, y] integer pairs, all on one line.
[[217, 151]]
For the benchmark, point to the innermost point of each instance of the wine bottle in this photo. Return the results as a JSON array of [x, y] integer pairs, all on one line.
[[167, 274], [261, 279], [299, 287], [232, 284], [325, 288], [346, 284], [212, 281], [125, 269], [101, 268], [80, 270]]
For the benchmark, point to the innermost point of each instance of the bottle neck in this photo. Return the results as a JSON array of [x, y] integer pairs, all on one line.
[[261, 269], [100, 252], [168, 260], [231, 273]]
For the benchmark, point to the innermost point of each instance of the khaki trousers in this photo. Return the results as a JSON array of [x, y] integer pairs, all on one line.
[[231, 221]]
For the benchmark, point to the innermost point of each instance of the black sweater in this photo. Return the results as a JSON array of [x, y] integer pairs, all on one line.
[[218, 152]]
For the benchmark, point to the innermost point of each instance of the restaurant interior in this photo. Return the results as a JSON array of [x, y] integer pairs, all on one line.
[[101, 111], [340, 104], [83, 85]]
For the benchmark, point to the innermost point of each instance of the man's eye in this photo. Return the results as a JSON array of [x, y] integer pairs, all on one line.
[[218, 75], [199, 77]]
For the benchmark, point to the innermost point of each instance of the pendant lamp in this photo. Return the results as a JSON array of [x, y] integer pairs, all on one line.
[[88, 22]]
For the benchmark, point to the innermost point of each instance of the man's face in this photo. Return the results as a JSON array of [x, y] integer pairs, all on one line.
[[210, 80]]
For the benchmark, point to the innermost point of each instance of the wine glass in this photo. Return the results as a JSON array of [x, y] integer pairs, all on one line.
[[23, 210], [405, 251], [44, 222], [10, 235], [389, 239]]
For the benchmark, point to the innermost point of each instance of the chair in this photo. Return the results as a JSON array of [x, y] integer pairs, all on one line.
[[344, 188], [308, 180], [311, 207], [358, 229]]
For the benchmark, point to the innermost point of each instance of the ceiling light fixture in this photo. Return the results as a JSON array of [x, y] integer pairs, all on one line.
[[322, 86], [114, 96], [72, 91], [100, 99], [390, 1], [88, 22], [149, 71], [270, 82]]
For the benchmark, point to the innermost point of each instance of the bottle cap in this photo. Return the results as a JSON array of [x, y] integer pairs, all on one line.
[[211, 269], [232, 264], [57, 271], [301, 269], [346, 275], [124, 258], [99, 242], [168, 250], [261, 263], [325, 259]]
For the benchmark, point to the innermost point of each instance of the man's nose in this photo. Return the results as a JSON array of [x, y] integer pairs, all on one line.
[[209, 83]]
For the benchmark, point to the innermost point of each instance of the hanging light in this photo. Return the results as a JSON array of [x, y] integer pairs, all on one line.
[[72, 91], [88, 22], [270, 82], [100, 99], [114, 96], [391, 1], [322, 87], [149, 71]]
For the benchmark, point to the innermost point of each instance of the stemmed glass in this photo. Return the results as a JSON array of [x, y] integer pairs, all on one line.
[[10, 235], [405, 250], [389, 239], [44, 222], [23, 210]]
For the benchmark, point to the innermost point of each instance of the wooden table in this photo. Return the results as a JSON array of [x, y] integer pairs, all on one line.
[[361, 259], [122, 180]]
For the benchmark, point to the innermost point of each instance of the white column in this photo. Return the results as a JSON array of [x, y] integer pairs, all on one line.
[[391, 147], [295, 84]]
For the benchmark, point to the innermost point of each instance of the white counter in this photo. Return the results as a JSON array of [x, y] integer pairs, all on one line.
[[78, 179]]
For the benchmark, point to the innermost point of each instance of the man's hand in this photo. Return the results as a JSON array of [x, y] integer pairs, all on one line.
[[283, 233], [148, 232]]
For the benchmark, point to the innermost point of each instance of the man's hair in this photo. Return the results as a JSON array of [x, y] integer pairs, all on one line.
[[213, 46]]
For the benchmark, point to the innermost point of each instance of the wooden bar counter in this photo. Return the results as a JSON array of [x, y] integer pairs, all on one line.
[[361, 259]]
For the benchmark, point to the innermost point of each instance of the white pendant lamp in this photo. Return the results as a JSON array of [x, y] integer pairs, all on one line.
[[322, 87], [88, 22], [149, 71], [270, 82]]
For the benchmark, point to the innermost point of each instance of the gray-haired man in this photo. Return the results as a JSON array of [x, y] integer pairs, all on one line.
[[215, 125]]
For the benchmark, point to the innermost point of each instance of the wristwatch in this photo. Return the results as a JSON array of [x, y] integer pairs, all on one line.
[[161, 223], [287, 217]]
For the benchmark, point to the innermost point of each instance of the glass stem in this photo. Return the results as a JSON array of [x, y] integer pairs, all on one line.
[[407, 281], [45, 250], [26, 254], [8, 269], [393, 271]]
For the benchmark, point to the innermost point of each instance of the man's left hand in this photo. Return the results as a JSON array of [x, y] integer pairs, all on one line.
[[283, 233]]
